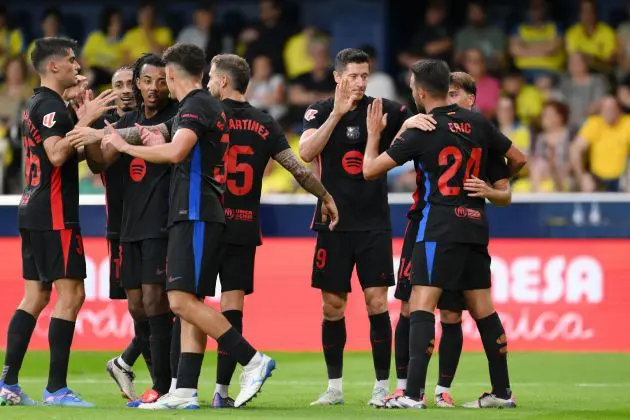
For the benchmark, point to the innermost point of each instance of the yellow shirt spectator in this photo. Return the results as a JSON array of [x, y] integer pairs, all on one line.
[[529, 104], [100, 52], [11, 43], [297, 60], [609, 146], [278, 179], [533, 34], [602, 43], [135, 42]]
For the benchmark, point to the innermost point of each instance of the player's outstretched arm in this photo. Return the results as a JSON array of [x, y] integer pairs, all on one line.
[[424, 122], [174, 152], [516, 160], [499, 194], [310, 183], [58, 149], [135, 136], [375, 165]]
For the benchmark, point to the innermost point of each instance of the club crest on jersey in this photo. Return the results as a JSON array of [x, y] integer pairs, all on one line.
[[353, 132], [49, 120], [310, 114]]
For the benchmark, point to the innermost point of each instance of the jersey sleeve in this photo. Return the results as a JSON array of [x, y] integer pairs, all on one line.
[[408, 146], [397, 114], [195, 115], [277, 140], [315, 116], [53, 119], [497, 141], [497, 168]]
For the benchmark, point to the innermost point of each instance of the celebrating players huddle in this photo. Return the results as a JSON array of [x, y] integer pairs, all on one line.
[[171, 155]]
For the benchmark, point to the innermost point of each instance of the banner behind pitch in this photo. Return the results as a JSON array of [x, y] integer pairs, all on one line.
[[565, 295]]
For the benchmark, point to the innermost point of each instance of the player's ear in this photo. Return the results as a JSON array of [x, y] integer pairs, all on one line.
[[337, 76]]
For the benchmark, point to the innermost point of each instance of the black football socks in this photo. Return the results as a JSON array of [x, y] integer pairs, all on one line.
[[160, 344], [422, 341], [495, 345], [19, 335], [450, 351], [401, 349], [60, 334], [381, 340], [226, 365], [333, 343]]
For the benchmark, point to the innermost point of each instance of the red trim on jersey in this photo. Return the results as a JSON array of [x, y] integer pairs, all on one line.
[[66, 238], [56, 200], [416, 193]]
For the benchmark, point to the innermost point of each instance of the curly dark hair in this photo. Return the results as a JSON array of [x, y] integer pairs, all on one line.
[[150, 59]]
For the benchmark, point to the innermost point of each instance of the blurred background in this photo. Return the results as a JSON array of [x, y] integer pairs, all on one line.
[[554, 76]]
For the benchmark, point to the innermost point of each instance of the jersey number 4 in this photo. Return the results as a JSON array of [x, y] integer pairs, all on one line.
[[473, 164]]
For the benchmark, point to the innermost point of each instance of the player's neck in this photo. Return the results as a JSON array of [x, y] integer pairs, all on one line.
[[184, 87], [53, 85], [234, 95], [430, 104]]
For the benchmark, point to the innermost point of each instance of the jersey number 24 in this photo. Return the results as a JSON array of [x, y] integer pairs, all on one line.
[[473, 164]]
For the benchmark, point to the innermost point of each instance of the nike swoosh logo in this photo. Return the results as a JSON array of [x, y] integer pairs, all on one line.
[[172, 279], [160, 272]]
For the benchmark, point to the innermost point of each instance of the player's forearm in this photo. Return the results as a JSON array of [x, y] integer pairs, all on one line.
[[302, 175], [164, 153], [94, 158], [369, 157], [132, 135], [500, 194], [313, 145], [61, 152]]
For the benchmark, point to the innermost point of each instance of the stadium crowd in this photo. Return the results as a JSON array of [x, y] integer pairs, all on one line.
[[560, 94]]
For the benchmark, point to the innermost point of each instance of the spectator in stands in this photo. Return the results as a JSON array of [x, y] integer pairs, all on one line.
[[623, 50], [606, 138], [203, 33], [270, 35], [548, 86], [297, 59], [266, 88], [479, 34], [536, 45], [433, 39], [277, 179], [102, 52], [520, 135], [11, 41], [318, 84], [14, 93], [581, 89], [595, 39], [550, 167], [623, 94], [380, 84], [529, 100], [50, 26], [488, 88], [146, 37]]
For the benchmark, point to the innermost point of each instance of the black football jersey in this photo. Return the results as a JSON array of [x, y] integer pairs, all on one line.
[[145, 185], [255, 137], [362, 204], [198, 182], [51, 194], [458, 148]]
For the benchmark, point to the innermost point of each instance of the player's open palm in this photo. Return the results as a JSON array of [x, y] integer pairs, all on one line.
[[113, 139], [78, 89], [330, 212], [89, 109], [150, 136], [343, 98], [423, 122], [477, 187], [82, 136], [376, 121]]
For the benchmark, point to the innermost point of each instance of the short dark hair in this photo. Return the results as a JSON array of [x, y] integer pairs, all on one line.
[[561, 109], [123, 68], [188, 57], [464, 81], [52, 11], [350, 55], [433, 76], [145, 59], [46, 48], [236, 67], [106, 17]]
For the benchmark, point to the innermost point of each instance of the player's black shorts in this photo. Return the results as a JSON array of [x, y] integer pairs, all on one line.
[[236, 268], [143, 262], [450, 300], [116, 291], [451, 266], [49, 255], [194, 256], [336, 254]]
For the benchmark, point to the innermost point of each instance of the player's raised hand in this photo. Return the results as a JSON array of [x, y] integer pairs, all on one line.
[[113, 139], [330, 212], [83, 136], [91, 108], [80, 87], [376, 121], [477, 187], [150, 136], [424, 122], [343, 98]]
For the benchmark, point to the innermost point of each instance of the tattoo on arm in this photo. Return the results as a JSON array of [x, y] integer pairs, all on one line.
[[302, 175], [132, 135]]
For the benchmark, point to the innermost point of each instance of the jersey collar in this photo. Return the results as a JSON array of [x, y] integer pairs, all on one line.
[[48, 91], [444, 109]]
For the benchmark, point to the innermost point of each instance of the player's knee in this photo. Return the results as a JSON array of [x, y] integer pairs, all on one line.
[[404, 309], [450, 317], [376, 300], [179, 304], [71, 301], [154, 300], [34, 304], [136, 307], [334, 310]]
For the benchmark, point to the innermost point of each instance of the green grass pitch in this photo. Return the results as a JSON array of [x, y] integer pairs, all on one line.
[[546, 385]]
